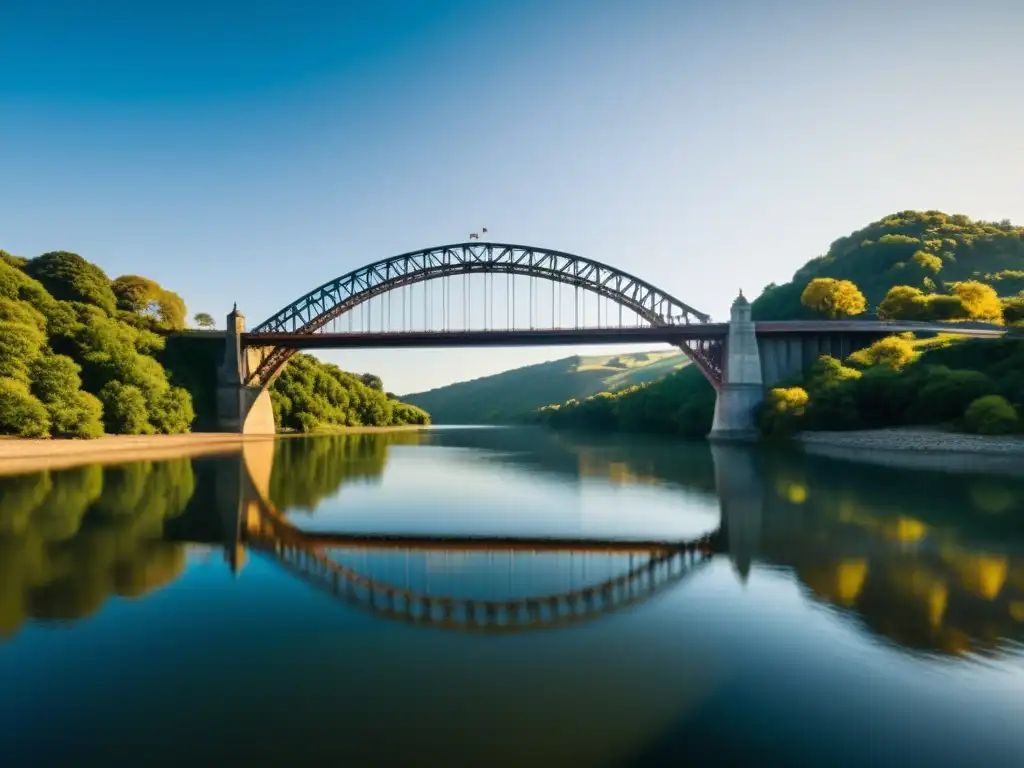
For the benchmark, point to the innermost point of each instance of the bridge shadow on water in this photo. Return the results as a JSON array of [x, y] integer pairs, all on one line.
[[930, 562]]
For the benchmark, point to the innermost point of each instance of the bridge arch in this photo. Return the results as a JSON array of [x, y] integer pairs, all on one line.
[[334, 298]]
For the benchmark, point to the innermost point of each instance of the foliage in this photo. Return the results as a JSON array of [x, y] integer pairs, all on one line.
[[514, 395], [21, 414], [68, 277], [900, 383], [682, 403], [204, 320], [979, 300], [901, 250], [782, 409], [893, 352], [991, 415], [149, 299], [72, 412], [833, 298], [309, 395], [78, 358], [69, 539]]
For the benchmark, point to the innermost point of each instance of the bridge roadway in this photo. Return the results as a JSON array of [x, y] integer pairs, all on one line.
[[672, 334]]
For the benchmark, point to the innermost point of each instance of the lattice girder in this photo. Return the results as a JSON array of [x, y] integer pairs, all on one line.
[[332, 299]]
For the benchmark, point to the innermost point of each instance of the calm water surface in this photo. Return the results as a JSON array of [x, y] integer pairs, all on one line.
[[510, 597]]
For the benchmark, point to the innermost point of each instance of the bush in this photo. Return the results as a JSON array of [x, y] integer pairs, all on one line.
[[946, 394], [783, 410], [124, 409], [893, 352], [991, 415], [21, 414]]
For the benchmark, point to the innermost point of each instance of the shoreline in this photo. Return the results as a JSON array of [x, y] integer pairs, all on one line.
[[920, 448], [20, 455]]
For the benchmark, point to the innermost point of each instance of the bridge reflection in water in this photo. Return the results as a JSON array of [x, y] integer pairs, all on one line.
[[490, 584], [874, 543]]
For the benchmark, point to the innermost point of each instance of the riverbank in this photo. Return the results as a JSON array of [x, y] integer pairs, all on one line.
[[20, 455], [921, 448]]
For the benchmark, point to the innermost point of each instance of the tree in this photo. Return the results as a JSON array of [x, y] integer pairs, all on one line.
[[203, 320], [833, 298], [124, 409], [893, 352], [72, 412], [927, 261], [69, 277], [981, 301], [903, 302], [991, 415], [20, 413], [148, 298]]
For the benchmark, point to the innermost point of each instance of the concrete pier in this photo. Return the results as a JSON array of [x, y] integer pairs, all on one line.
[[742, 388]]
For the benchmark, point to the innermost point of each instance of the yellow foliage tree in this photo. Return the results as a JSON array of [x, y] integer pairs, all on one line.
[[927, 261], [981, 301], [833, 298]]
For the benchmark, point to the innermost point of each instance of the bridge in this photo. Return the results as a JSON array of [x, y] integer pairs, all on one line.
[[390, 575], [514, 295]]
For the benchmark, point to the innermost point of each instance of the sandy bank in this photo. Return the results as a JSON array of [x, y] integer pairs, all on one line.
[[921, 449], [19, 455]]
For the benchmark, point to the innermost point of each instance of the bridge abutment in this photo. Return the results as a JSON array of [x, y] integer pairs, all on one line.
[[241, 408], [742, 388]]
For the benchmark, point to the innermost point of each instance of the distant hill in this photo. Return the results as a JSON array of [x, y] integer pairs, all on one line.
[[511, 396]]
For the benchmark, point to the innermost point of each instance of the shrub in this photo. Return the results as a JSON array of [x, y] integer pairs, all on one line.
[[991, 415], [893, 352], [21, 414], [783, 410]]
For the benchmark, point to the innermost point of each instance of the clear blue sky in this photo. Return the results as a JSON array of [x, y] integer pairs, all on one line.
[[249, 151]]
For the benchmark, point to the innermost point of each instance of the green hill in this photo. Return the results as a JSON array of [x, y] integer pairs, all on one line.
[[511, 396], [927, 250]]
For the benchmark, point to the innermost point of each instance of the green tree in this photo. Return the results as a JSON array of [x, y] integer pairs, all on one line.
[[204, 320], [69, 277], [20, 413], [72, 412], [991, 415], [148, 298], [124, 409], [833, 298]]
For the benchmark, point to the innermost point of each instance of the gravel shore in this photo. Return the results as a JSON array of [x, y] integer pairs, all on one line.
[[921, 449]]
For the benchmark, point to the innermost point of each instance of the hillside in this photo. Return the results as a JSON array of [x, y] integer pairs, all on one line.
[[928, 253], [511, 396], [926, 250], [82, 355]]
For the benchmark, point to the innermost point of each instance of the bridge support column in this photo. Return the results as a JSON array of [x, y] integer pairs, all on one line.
[[240, 408], [742, 388]]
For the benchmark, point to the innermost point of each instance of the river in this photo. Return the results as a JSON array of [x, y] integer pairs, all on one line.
[[477, 596]]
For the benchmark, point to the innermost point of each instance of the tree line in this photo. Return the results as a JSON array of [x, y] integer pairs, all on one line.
[[912, 265], [81, 356]]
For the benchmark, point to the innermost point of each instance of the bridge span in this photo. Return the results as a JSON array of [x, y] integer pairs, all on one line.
[[530, 296]]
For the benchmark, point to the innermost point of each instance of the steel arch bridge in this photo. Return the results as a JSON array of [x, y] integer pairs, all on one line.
[[311, 313]]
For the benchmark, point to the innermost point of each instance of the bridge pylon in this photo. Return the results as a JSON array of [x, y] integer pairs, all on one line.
[[742, 387], [241, 407]]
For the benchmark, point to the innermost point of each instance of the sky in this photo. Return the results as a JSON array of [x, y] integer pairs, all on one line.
[[249, 151]]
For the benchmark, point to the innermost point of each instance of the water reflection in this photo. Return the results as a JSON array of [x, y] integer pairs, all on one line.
[[70, 539], [928, 561]]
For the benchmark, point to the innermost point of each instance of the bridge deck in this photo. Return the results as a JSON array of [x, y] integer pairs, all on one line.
[[574, 336]]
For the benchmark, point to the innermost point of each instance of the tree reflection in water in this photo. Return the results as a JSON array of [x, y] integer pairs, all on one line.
[[933, 562], [70, 539]]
